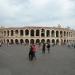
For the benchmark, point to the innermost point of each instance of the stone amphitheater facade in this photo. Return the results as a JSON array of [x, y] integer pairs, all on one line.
[[56, 35]]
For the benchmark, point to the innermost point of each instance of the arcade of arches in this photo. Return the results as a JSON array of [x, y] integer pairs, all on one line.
[[37, 35]]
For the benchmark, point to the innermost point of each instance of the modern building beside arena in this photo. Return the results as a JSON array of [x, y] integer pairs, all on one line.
[[56, 35]]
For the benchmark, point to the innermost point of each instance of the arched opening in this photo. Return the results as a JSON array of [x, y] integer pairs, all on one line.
[[7, 32], [12, 33], [57, 42], [42, 32], [61, 34], [32, 41], [64, 33], [43, 41], [16, 31], [26, 32], [67, 41], [12, 41], [47, 33], [67, 34], [26, 41], [4, 33], [21, 41], [64, 41], [52, 33], [37, 32], [32, 32], [48, 40], [7, 40], [21, 32], [57, 33], [37, 41], [53, 41], [16, 41]]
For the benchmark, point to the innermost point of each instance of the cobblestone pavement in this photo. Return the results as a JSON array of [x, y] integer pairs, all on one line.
[[14, 61]]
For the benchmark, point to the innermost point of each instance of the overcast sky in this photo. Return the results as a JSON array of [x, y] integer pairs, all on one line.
[[40, 12]]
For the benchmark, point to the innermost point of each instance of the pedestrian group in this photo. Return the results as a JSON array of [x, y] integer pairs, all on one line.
[[33, 50]]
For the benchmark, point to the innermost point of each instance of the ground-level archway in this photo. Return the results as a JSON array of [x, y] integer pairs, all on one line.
[[64, 41], [43, 41], [7, 40], [37, 41], [21, 41], [26, 41], [16, 41], [32, 41], [53, 41], [48, 41], [12, 42], [57, 42]]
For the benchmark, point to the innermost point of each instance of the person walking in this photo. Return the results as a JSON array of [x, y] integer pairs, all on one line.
[[30, 53], [43, 48], [48, 47], [33, 51]]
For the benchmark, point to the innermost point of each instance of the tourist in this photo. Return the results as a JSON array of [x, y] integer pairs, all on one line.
[[48, 47], [43, 48], [33, 51], [30, 53]]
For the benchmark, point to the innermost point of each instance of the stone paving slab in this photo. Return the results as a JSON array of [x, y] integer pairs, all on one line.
[[14, 61]]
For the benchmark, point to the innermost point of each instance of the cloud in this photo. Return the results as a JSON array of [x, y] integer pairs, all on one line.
[[17, 12]]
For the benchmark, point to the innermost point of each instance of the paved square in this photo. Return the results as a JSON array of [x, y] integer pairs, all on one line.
[[14, 61]]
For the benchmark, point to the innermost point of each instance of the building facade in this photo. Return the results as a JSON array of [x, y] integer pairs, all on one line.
[[55, 35]]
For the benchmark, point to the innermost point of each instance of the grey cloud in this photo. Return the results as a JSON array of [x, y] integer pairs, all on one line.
[[23, 12]]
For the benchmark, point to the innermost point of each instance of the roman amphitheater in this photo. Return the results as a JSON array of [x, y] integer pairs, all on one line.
[[56, 35]]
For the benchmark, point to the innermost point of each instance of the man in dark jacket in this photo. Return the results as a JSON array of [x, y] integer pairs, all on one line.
[[48, 47], [43, 48], [30, 54]]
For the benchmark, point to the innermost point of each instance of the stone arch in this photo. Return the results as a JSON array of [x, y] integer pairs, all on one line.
[[16, 41], [7, 40], [47, 33], [61, 41], [16, 31], [43, 41], [67, 34], [67, 40], [64, 33], [26, 32], [26, 41], [57, 33], [7, 32], [4, 33], [12, 42], [61, 34], [37, 32], [12, 32], [21, 32], [53, 41], [57, 42], [48, 40], [64, 41], [32, 41], [37, 41], [52, 33], [21, 41], [42, 32], [32, 32]]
